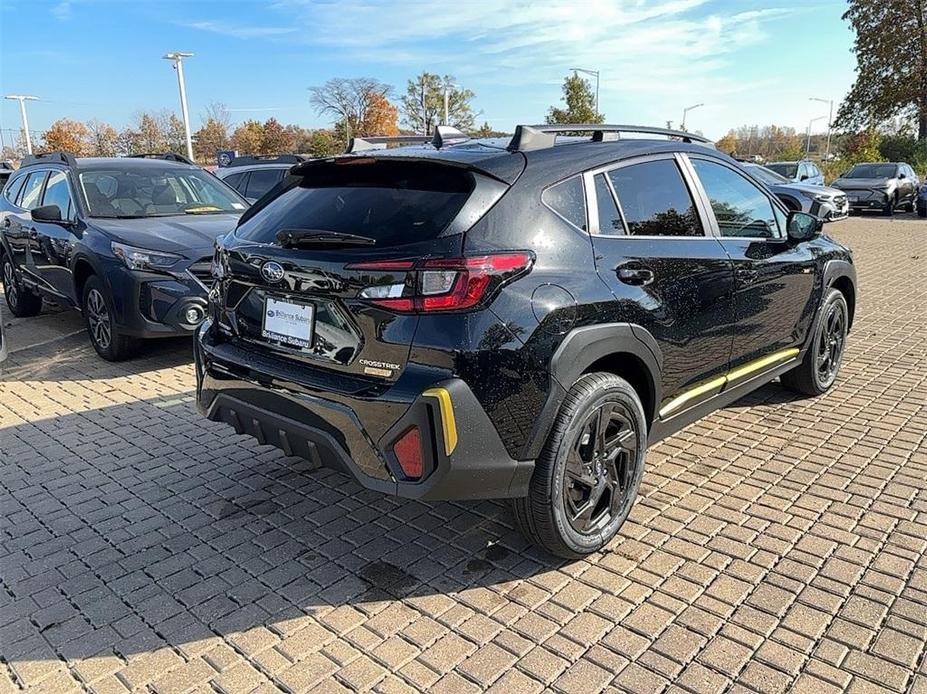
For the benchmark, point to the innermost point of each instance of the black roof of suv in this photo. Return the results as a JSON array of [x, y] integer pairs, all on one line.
[[484, 319]]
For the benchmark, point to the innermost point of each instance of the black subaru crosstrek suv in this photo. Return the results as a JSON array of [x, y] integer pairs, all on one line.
[[128, 241], [520, 320]]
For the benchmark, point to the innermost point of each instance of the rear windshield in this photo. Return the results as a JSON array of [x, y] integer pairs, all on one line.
[[393, 202]]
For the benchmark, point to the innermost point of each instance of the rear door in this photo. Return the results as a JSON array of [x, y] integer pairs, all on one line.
[[774, 277], [667, 273], [20, 230]]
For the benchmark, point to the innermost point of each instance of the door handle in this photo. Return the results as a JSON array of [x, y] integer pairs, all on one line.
[[635, 275], [745, 274]]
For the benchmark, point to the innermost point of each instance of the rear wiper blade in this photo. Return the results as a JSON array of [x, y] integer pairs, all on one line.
[[290, 238]]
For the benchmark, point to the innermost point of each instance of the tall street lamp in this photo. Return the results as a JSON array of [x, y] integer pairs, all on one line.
[[830, 122], [447, 88], [808, 142], [177, 57], [22, 112], [591, 73], [685, 112]]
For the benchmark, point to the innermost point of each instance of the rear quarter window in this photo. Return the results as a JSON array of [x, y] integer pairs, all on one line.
[[568, 200], [393, 202]]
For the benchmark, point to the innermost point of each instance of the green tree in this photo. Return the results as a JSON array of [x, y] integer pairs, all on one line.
[[422, 105], [325, 143], [580, 103], [175, 135], [891, 64]]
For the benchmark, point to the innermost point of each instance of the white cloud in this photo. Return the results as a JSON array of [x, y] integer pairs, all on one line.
[[61, 10], [238, 31]]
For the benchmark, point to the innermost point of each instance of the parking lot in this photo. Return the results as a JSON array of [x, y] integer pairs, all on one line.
[[778, 544]]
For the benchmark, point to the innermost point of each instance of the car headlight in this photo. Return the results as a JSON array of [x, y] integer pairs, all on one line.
[[143, 259], [822, 197]]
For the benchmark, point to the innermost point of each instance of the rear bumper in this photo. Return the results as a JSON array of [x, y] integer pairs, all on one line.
[[352, 429]]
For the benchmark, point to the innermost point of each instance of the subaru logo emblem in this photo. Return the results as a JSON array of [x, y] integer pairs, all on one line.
[[272, 271]]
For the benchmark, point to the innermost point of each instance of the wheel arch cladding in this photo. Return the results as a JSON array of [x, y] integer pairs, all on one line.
[[618, 348], [83, 269], [841, 275]]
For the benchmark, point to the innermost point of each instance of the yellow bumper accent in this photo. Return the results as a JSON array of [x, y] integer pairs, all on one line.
[[736, 374], [448, 422]]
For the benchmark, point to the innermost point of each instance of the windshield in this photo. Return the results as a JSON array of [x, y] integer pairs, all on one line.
[[767, 176], [156, 192], [873, 171], [784, 169]]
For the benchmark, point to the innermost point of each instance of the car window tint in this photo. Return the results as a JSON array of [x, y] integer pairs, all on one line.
[[237, 181], [740, 207], [609, 217], [567, 199], [655, 200], [29, 198], [263, 180], [12, 190], [57, 193]]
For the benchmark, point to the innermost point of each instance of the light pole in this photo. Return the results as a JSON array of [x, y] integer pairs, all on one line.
[[22, 112], [808, 142], [685, 112], [447, 87], [830, 121], [177, 57], [592, 73]]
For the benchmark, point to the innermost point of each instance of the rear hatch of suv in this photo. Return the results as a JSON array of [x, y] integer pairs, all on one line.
[[330, 272]]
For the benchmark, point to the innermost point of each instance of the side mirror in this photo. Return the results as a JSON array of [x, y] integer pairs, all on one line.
[[804, 177], [802, 226], [901, 175], [47, 213]]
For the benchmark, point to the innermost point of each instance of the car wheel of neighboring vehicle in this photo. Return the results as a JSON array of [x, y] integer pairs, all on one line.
[[922, 212], [590, 469], [909, 207], [818, 370], [22, 302], [99, 315], [889, 209]]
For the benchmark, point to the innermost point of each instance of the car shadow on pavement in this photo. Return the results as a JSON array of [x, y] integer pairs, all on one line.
[[138, 526]]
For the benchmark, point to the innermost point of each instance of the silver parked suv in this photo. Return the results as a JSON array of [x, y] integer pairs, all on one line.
[[881, 186], [254, 176]]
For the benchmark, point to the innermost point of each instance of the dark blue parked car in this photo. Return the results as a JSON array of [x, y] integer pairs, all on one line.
[[922, 201], [128, 241]]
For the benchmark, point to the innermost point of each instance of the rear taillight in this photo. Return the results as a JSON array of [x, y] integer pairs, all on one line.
[[442, 284]]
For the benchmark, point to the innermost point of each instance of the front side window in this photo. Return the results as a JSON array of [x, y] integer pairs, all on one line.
[[156, 192], [32, 191], [741, 209], [655, 200], [568, 200], [57, 193]]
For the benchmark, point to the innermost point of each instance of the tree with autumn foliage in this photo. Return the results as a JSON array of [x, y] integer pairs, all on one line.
[[247, 137], [65, 135], [349, 100], [381, 118], [274, 138]]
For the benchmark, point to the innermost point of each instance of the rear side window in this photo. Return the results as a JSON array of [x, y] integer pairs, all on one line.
[[740, 207], [237, 181], [29, 198], [393, 202], [655, 200], [568, 200], [263, 180], [12, 190]]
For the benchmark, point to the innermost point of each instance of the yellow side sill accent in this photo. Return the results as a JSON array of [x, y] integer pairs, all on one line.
[[736, 374], [448, 422]]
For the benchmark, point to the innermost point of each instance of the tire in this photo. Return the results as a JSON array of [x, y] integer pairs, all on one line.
[[818, 370], [889, 209], [22, 302], [922, 212], [547, 516], [97, 306], [910, 206]]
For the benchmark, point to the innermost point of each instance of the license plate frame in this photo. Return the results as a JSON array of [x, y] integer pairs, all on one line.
[[292, 322]]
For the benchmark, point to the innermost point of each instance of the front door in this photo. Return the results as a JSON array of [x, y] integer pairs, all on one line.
[[774, 277], [53, 244], [667, 274]]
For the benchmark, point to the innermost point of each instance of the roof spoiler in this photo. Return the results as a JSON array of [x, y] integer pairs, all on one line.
[[59, 157], [167, 156], [267, 159], [532, 137], [444, 136]]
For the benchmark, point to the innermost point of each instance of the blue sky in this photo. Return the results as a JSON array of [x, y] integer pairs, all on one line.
[[750, 62]]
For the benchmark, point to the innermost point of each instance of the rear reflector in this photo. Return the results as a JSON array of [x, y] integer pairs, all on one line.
[[408, 450]]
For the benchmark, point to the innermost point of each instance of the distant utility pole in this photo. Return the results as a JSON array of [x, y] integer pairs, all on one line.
[[447, 87], [592, 73], [22, 112], [830, 121], [685, 112], [177, 57], [808, 143]]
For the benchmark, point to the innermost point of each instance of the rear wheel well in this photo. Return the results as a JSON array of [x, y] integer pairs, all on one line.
[[632, 369], [845, 287], [82, 271]]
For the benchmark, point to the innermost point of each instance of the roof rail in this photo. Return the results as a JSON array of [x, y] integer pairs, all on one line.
[[446, 135], [531, 137], [167, 156], [58, 157], [248, 160], [363, 144]]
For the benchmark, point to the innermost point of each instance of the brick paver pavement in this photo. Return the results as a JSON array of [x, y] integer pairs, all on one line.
[[777, 545]]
